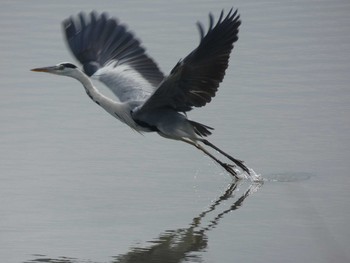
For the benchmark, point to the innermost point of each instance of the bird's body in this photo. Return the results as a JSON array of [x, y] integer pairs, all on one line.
[[147, 100]]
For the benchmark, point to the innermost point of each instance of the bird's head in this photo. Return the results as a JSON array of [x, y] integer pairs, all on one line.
[[64, 69]]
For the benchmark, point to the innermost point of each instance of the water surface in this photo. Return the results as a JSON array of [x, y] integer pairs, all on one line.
[[78, 186]]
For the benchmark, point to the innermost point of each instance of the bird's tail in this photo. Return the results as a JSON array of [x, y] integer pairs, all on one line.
[[201, 129]]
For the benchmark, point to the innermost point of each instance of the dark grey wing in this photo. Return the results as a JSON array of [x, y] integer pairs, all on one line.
[[194, 80], [98, 42]]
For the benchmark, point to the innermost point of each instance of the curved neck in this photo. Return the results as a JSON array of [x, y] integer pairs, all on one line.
[[116, 109], [91, 91]]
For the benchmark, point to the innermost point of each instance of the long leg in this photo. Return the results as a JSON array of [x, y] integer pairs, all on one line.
[[236, 161], [226, 166]]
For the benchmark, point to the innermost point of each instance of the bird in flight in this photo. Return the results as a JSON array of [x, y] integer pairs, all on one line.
[[149, 101]]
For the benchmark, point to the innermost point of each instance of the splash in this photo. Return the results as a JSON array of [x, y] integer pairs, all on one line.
[[253, 176]]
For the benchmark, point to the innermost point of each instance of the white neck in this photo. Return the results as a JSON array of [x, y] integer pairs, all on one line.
[[118, 110]]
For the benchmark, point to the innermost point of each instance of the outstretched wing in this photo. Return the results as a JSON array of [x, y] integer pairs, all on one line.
[[195, 79], [111, 53]]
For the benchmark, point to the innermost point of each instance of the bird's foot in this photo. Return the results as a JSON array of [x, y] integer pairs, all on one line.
[[230, 168]]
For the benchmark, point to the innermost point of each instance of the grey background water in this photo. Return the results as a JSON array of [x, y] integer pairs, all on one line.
[[78, 186]]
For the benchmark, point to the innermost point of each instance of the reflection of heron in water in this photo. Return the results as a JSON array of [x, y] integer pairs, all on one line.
[[176, 245]]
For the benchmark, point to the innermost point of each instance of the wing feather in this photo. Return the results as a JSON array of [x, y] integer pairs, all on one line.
[[193, 81], [109, 51]]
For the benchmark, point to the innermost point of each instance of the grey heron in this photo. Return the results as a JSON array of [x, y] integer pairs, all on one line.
[[149, 101]]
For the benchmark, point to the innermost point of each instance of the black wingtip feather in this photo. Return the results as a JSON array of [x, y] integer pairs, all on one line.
[[194, 81], [200, 29]]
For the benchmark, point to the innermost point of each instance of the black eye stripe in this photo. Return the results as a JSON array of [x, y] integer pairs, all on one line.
[[68, 65]]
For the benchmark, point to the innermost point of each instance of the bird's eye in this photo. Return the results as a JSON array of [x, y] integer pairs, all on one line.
[[60, 67]]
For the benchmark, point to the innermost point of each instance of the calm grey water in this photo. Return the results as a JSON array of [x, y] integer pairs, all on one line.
[[78, 186]]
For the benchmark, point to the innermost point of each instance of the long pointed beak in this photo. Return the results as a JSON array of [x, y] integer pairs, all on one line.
[[44, 69]]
